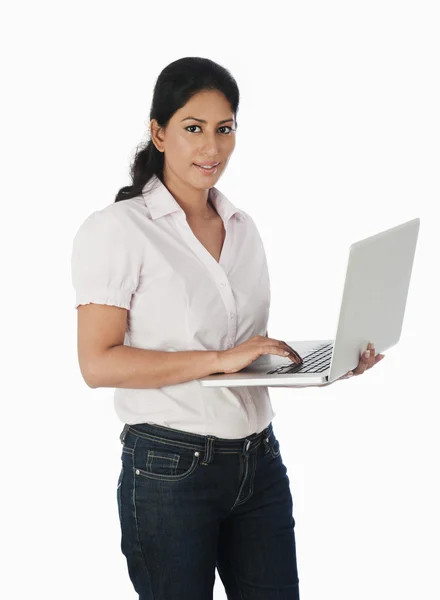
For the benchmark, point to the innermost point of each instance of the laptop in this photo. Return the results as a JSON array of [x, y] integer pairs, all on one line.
[[372, 309]]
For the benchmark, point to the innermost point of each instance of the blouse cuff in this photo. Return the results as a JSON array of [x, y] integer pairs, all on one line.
[[120, 298]]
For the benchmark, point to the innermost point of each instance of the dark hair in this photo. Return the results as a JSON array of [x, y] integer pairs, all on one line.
[[175, 86]]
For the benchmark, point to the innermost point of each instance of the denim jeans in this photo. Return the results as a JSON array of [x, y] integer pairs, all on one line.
[[189, 503]]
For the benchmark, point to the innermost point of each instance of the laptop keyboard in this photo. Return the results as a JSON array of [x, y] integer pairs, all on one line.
[[315, 362]]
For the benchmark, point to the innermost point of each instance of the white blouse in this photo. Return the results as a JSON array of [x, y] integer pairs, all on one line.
[[141, 254]]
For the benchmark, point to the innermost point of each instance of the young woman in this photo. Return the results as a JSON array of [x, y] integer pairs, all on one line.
[[171, 285]]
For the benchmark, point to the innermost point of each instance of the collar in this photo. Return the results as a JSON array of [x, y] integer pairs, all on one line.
[[160, 201]]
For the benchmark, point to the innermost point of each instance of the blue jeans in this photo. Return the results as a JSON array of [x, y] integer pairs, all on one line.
[[189, 503]]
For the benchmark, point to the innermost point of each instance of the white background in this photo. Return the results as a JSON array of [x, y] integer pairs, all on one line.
[[338, 138]]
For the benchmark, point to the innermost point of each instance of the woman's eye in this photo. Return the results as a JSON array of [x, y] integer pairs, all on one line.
[[224, 127]]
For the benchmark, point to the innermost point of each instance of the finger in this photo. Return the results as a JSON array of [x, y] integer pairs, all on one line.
[[372, 358], [295, 356], [363, 363], [294, 352], [347, 375]]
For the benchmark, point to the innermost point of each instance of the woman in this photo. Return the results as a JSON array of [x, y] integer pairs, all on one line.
[[172, 285]]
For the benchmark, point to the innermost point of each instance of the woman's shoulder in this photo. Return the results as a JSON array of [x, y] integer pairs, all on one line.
[[125, 211], [115, 217]]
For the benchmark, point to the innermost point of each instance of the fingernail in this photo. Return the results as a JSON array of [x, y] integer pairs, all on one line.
[[350, 373], [367, 353]]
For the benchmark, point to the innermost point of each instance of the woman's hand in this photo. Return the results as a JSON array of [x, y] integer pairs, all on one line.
[[239, 357], [368, 359]]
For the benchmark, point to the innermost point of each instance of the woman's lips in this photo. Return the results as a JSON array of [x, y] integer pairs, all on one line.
[[207, 171]]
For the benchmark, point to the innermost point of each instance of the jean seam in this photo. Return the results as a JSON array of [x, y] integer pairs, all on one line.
[[119, 493], [251, 481], [136, 522], [237, 502], [271, 448]]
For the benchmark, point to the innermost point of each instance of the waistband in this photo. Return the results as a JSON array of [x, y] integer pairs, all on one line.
[[195, 440]]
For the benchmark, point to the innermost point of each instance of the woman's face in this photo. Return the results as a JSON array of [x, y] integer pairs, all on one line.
[[187, 141]]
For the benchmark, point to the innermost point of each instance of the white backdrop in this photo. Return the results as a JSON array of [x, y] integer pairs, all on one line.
[[338, 138]]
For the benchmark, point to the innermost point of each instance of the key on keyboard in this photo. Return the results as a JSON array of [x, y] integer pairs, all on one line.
[[315, 362]]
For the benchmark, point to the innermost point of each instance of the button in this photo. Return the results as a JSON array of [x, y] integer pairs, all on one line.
[[232, 315], [247, 445], [223, 283]]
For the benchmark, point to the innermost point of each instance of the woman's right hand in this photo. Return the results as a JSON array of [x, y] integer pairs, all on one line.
[[239, 357]]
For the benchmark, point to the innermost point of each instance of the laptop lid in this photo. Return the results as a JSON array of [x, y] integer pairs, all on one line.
[[374, 295]]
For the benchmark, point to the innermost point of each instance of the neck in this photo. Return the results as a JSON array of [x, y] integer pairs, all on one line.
[[195, 203]]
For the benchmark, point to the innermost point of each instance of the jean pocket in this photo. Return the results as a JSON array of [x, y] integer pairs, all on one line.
[[164, 460]]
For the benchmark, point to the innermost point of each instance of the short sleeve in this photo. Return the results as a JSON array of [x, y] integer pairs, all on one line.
[[105, 261]]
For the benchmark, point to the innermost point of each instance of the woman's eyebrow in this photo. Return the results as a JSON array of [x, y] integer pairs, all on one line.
[[202, 121]]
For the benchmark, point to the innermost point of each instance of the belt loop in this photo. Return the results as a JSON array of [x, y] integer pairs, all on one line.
[[124, 432], [208, 450], [266, 434]]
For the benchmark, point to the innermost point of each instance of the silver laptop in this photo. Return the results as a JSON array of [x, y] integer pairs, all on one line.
[[372, 309]]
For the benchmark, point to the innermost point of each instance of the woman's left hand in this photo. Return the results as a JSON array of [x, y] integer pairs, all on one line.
[[368, 359]]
